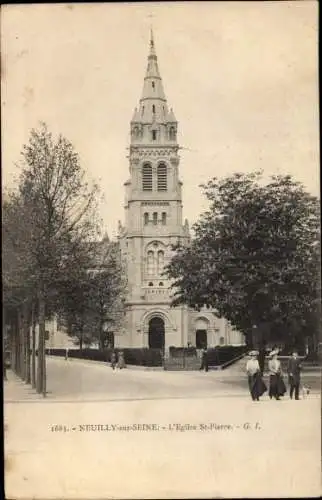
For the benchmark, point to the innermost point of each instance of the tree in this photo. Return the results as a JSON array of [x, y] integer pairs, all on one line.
[[17, 286], [73, 301], [57, 214], [255, 257], [95, 301], [107, 291]]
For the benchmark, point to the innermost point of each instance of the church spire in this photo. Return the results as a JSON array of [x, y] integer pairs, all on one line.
[[153, 87], [153, 110], [152, 49]]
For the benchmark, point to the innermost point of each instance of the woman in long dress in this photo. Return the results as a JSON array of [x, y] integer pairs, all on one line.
[[277, 387], [113, 360], [256, 384], [121, 361]]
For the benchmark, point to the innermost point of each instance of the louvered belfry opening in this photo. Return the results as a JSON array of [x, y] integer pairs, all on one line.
[[147, 177], [162, 177]]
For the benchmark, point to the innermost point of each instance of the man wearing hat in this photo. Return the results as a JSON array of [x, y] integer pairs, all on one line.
[[255, 381], [294, 374]]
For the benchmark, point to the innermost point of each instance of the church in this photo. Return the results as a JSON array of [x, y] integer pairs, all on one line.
[[153, 224]]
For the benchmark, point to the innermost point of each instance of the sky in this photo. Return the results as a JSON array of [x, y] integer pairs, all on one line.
[[241, 78]]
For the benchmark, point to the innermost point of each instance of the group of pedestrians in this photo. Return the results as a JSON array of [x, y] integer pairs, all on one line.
[[117, 361], [277, 388]]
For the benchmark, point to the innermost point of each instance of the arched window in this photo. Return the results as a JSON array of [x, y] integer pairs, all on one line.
[[154, 135], [222, 340], [172, 133], [153, 85], [161, 283], [150, 284], [164, 218], [155, 218], [150, 263], [155, 257], [147, 177], [160, 261], [162, 177], [146, 218], [142, 112], [153, 108]]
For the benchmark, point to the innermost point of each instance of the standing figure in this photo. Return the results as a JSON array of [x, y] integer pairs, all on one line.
[[256, 384], [294, 375], [261, 359], [204, 360], [276, 384], [113, 360], [121, 362]]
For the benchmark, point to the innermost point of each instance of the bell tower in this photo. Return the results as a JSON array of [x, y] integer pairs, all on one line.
[[153, 217]]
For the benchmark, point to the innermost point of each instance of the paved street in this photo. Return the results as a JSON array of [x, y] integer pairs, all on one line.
[[85, 380], [278, 440]]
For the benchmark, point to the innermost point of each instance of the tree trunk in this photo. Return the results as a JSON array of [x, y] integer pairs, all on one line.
[[23, 343], [13, 346], [17, 341], [42, 343], [101, 344], [28, 368], [25, 337], [4, 343], [81, 339], [33, 359], [249, 339], [20, 344], [41, 371], [39, 363], [101, 336]]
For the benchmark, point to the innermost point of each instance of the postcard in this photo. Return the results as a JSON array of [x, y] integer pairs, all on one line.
[[160, 214]]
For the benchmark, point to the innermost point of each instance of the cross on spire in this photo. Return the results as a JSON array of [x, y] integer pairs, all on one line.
[[151, 33], [153, 107], [151, 39]]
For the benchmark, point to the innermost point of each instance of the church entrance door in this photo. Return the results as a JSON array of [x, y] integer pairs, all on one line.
[[201, 339], [156, 333]]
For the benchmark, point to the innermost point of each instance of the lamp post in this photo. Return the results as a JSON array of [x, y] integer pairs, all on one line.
[[105, 330]]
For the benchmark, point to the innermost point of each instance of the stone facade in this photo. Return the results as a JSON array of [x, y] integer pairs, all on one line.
[[153, 223]]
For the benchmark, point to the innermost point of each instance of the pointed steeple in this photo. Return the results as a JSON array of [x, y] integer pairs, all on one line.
[[153, 104], [152, 50], [152, 121]]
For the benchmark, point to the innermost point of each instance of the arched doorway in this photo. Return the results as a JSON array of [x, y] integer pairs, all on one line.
[[156, 333], [201, 333], [201, 339]]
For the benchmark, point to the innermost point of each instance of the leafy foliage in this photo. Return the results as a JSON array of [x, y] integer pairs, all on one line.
[[255, 256], [94, 304], [49, 224]]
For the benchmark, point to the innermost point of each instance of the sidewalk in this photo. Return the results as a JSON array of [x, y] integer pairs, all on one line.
[[14, 389], [105, 363]]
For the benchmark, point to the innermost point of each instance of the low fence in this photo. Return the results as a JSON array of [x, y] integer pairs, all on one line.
[[222, 355], [219, 357]]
